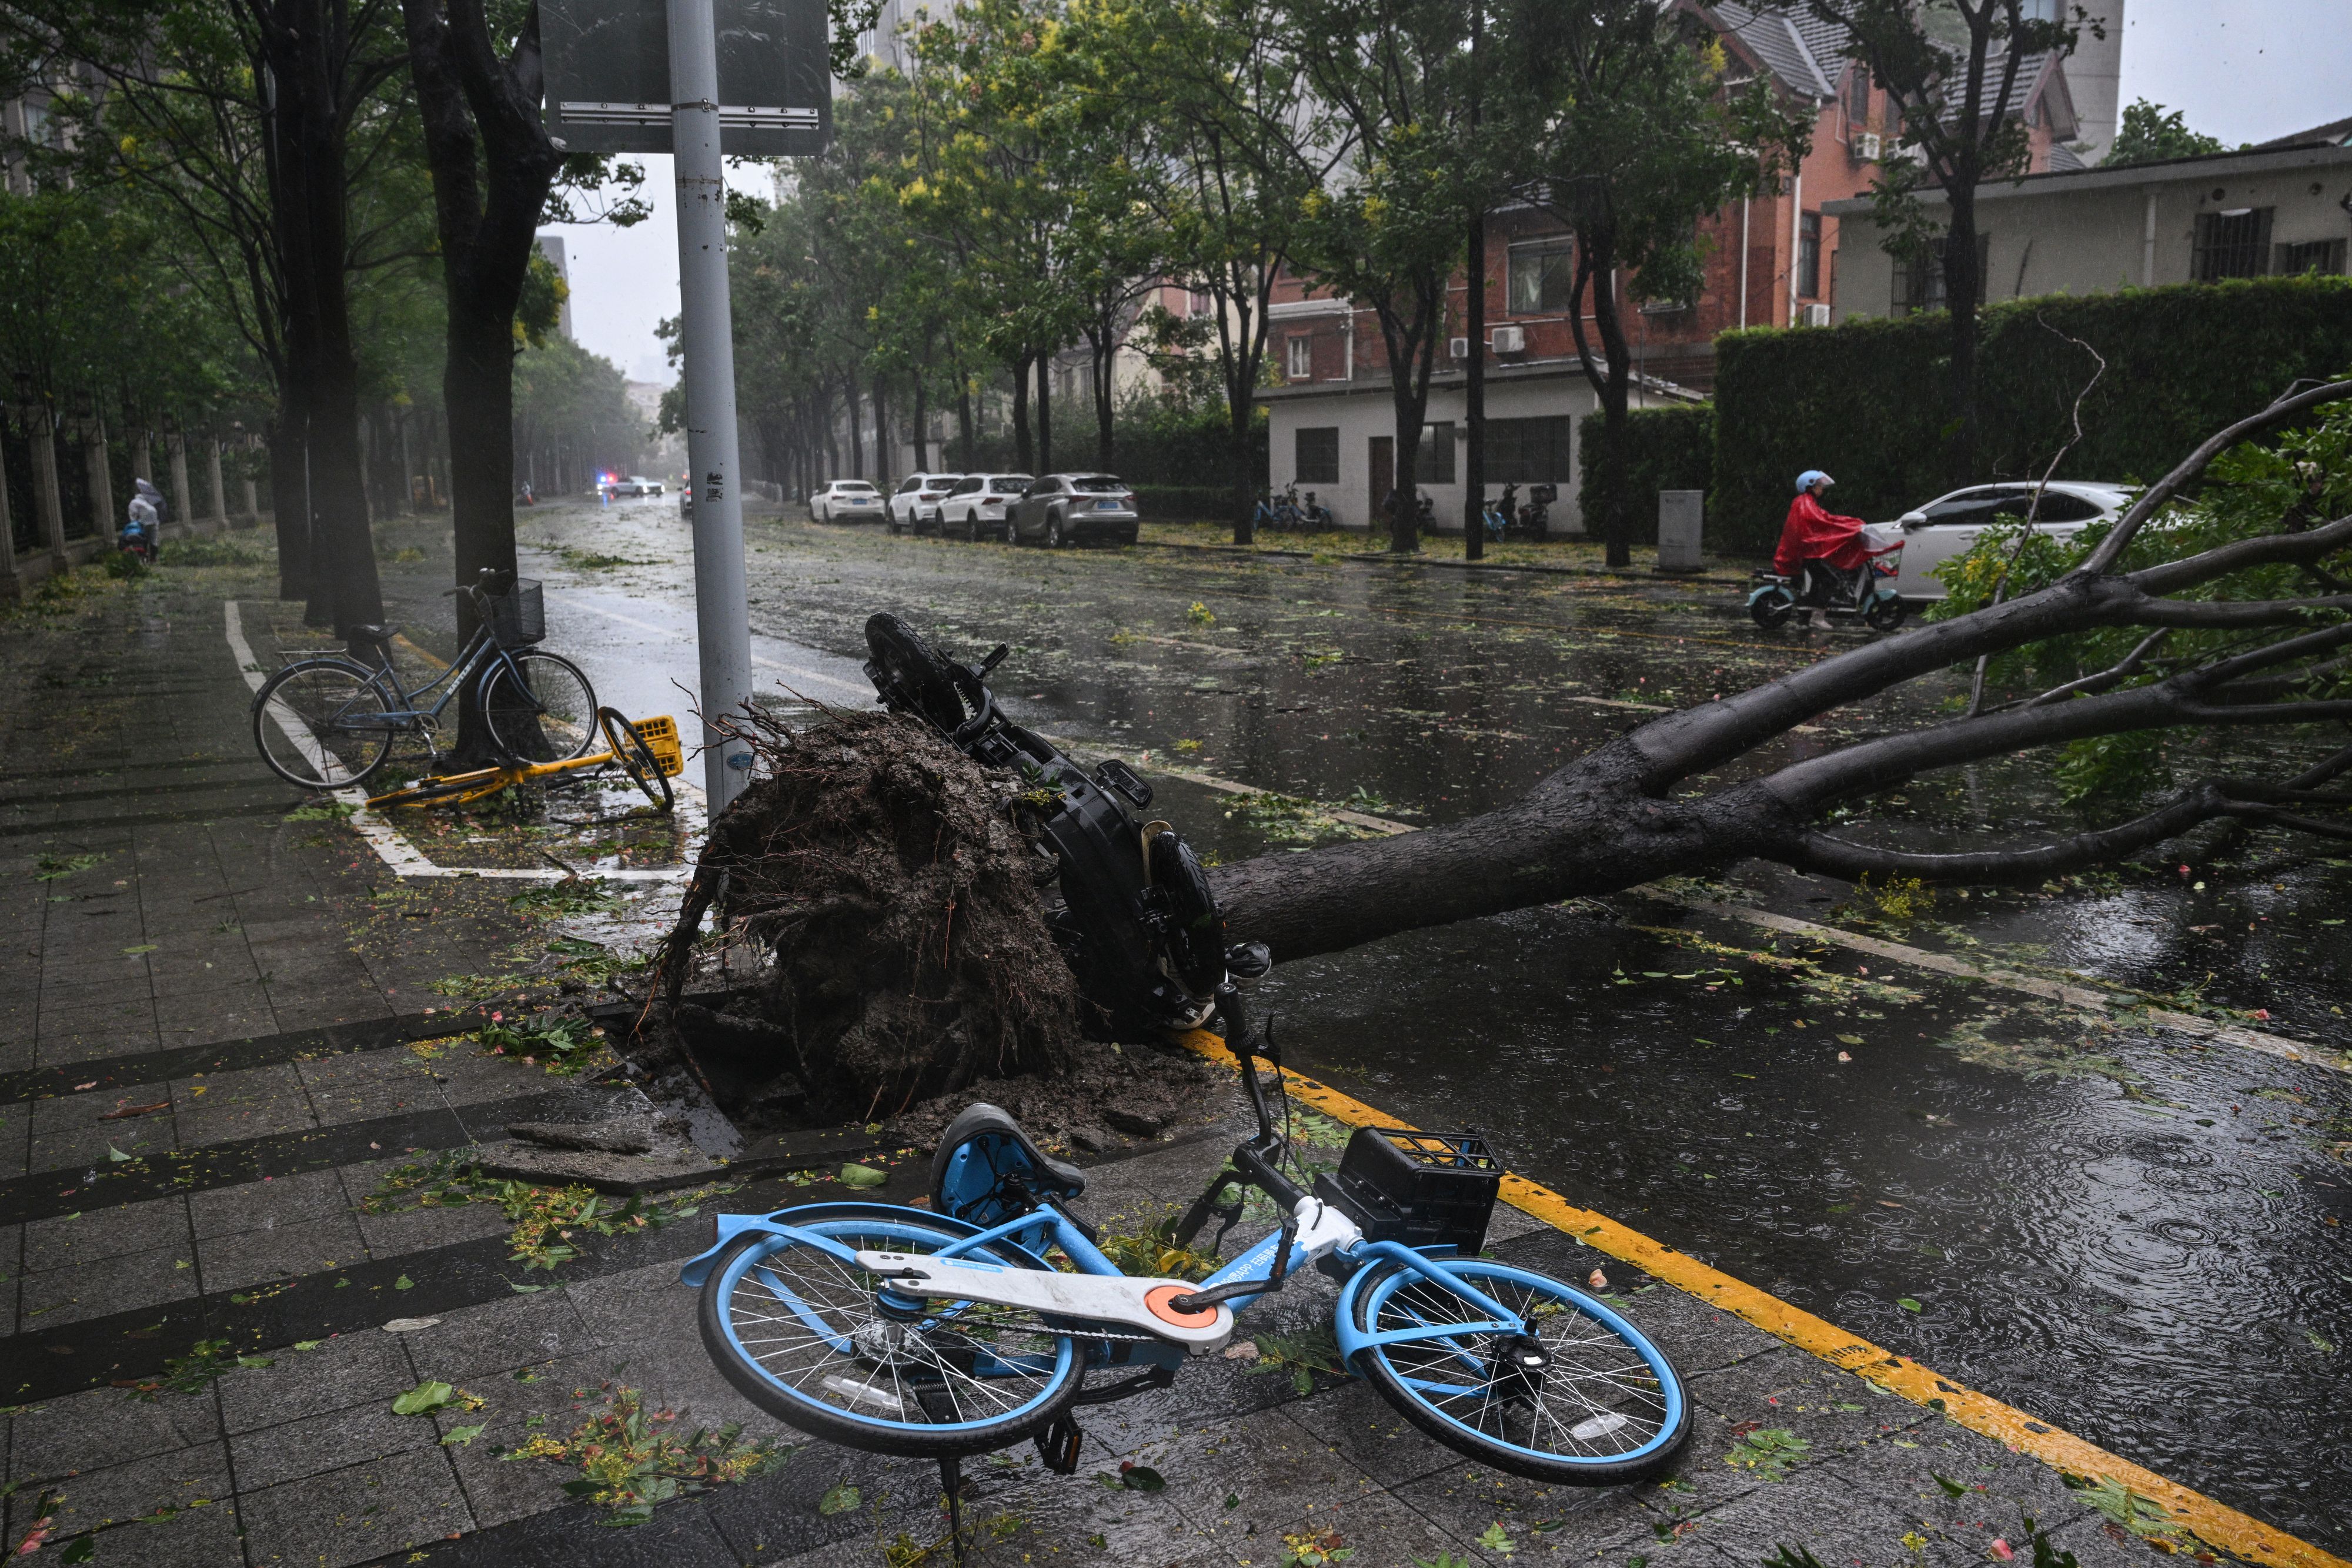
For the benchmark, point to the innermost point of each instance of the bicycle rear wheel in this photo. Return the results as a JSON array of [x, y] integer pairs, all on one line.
[[799, 1333], [636, 759], [323, 724], [548, 716], [1606, 1408]]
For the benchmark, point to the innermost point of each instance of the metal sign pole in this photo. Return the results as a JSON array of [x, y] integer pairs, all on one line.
[[722, 617]]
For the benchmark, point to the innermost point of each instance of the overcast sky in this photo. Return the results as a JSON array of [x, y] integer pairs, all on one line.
[[2243, 70]]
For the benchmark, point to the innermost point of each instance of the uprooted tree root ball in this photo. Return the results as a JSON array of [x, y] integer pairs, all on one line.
[[893, 891]]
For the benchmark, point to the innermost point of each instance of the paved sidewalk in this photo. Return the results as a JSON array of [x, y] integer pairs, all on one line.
[[215, 1047]]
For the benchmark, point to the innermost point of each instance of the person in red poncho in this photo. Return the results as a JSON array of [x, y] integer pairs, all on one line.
[[1814, 533]]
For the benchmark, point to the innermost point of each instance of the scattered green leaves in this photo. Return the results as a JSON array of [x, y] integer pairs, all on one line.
[[546, 1220], [49, 868], [1769, 1451], [1302, 1355], [630, 1458], [839, 1499]]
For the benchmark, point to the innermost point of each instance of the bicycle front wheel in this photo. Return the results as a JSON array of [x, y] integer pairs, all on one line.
[[636, 759], [799, 1333], [1606, 1408], [549, 716], [323, 724]]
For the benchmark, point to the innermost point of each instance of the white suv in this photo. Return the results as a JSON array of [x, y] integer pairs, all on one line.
[[917, 500], [1946, 528], [845, 500], [977, 505]]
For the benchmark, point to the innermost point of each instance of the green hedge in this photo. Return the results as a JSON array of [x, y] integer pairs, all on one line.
[[1671, 448], [1865, 400]]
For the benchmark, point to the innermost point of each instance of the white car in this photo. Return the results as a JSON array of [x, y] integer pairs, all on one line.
[[917, 500], [845, 500], [977, 505], [635, 484], [1946, 528]]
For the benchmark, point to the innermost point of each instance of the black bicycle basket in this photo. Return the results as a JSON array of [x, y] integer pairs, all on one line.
[[519, 619], [1423, 1189]]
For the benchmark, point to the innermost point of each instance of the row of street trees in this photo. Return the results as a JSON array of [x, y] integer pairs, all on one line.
[[1042, 164]]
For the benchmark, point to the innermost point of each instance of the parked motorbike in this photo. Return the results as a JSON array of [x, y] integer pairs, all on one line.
[[1535, 517], [1317, 516], [1130, 904], [1497, 515], [1866, 592]]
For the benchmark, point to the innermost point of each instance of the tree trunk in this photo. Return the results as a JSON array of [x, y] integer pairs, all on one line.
[[492, 167], [1045, 414], [1024, 450], [922, 429], [1410, 347], [289, 489], [1473, 396], [1963, 288], [883, 456], [1105, 350], [966, 458], [856, 435]]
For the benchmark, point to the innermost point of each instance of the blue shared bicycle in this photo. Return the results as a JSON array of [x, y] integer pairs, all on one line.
[[941, 1333]]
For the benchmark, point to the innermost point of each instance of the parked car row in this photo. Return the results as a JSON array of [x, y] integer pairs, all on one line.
[[1052, 509]]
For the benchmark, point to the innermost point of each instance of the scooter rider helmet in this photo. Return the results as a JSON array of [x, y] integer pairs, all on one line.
[[1812, 477]]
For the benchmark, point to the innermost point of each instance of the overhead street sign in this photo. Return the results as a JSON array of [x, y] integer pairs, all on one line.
[[608, 76]]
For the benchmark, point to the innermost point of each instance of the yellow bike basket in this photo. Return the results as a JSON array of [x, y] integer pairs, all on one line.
[[660, 735]]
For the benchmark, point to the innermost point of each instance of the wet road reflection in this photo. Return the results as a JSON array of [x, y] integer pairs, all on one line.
[[2137, 1235]]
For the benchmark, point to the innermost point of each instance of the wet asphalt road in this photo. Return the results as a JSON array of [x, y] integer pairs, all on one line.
[[2134, 1234]]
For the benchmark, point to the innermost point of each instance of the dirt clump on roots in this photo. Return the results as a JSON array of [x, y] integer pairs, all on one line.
[[891, 888]]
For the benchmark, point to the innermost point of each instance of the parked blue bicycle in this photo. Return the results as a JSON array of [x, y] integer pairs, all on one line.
[[329, 722], [941, 1333]]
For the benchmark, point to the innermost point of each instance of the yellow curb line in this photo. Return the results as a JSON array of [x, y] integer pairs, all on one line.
[[2212, 1522]]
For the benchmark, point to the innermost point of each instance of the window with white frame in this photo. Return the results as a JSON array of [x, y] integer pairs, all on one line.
[[1298, 356], [1542, 276]]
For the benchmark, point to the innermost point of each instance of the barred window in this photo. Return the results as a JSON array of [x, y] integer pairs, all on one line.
[[1317, 455], [1433, 462], [2310, 256], [1919, 281], [1530, 451], [2232, 244]]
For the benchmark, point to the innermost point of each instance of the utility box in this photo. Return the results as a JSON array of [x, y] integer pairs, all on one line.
[[1682, 518]]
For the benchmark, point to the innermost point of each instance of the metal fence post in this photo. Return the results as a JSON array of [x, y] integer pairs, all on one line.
[[722, 618]]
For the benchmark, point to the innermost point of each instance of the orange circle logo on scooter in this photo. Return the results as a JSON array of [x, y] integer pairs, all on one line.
[[1156, 1300]]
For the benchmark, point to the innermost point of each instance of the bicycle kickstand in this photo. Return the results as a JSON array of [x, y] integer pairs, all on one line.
[[951, 1484]]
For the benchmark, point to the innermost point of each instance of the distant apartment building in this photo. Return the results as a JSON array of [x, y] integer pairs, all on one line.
[[551, 248], [1772, 261]]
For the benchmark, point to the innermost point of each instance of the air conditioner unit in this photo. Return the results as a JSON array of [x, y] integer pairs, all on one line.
[[1817, 315], [1457, 348], [1865, 146], [1510, 339]]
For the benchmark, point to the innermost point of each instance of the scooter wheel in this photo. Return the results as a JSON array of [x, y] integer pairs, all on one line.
[[1886, 614], [1772, 611]]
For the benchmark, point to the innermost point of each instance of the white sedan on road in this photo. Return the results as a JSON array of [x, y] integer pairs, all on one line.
[[846, 501], [1946, 528]]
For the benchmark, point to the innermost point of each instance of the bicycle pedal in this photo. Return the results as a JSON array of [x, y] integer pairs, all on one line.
[[1058, 1446]]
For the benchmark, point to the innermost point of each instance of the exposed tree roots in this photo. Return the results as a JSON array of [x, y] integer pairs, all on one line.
[[888, 883]]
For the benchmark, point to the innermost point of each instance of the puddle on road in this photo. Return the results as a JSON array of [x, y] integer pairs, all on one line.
[[2137, 1235]]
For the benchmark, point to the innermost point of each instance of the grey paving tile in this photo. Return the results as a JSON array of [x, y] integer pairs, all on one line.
[[109, 1285], [66, 1113], [1468, 1500], [347, 1370], [250, 1102], [101, 1428], [331, 1440], [470, 1077], [418, 1229], [498, 1489], [180, 1499], [368, 1083], [94, 1043], [96, 1233], [348, 1516], [281, 1251], [1362, 1427], [94, 1148], [499, 1336], [16, 1138], [278, 1200], [239, 1013]]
